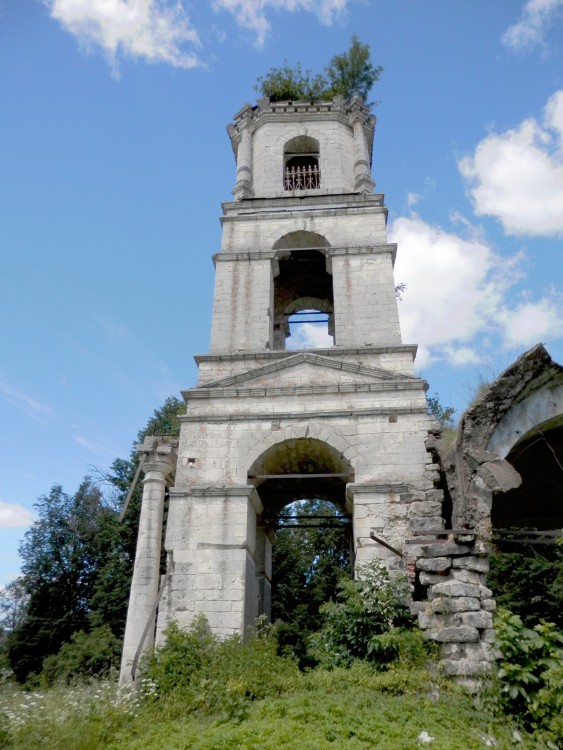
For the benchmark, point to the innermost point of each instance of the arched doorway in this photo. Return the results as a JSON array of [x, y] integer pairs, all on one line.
[[527, 566], [304, 535]]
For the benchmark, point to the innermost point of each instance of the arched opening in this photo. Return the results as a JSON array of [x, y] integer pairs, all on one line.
[[303, 294], [527, 521], [307, 525], [301, 169]]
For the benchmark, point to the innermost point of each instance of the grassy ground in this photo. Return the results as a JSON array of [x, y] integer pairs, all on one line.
[[354, 708]]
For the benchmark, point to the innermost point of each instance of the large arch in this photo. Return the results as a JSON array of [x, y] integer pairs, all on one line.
[[288, 471]]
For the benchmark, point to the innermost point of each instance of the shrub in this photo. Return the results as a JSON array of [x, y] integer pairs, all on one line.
[[530, 674], [368, 620], [86, 655], [207, 675]]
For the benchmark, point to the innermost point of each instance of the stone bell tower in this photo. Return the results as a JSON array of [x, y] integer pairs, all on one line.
[[267, 425]]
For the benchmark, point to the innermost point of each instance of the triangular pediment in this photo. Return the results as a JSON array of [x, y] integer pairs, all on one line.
[[313, 369]]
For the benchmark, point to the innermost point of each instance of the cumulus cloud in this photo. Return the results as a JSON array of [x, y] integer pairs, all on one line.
[[536, 18], [517, 176], [457, 293], [253, 14], [14, 515], [153, 30]]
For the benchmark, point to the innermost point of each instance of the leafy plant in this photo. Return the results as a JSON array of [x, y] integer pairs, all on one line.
[[347, 74], [86, 655], [529, 677], [367, 620]]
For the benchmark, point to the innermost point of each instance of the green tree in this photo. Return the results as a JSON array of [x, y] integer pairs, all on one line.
[[352, 72], [444, 414], [61, 554], [78, 560], [307, 565], [347, 74]]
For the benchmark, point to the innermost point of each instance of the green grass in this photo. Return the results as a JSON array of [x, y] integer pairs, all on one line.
[[346, 708]]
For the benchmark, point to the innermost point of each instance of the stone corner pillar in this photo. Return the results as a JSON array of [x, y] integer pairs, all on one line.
[[242, 136], [363, 181], [159, 464]]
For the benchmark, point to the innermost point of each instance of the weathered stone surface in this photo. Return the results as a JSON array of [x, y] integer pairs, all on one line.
[[462, 668], [488, 636], [489, 605], [434, 564], [441, 549], [455, 604], [455, 588], [485, 593], [468, 576], [426, 523], [499, 475], [480, 620], [479, 564], [460, 634], [426, 508], [428, 579]]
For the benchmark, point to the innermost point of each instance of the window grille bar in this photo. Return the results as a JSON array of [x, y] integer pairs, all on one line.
[[302, 178]]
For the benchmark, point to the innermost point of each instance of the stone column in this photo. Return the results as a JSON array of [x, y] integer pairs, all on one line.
[[159, 462], [363, 182], [243, 187]]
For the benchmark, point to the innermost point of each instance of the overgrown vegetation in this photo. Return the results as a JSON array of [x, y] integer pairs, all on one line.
[[199, 692], [528, 581], [529, 681], [347, 74]]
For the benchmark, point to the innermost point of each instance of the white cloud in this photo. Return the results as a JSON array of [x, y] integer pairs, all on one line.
[[252, 14], [457, 293], [24, 403], [517, 176], [531, 322], [153, 30], [14, 515], [536, 17], [93, 447], [309, 336]]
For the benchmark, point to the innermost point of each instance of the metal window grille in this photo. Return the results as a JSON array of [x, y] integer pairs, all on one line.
[[302, 178]]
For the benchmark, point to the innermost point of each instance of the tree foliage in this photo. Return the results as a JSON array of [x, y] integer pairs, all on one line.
[[77, 564], [347, 74], [443, 414], [307, 566]]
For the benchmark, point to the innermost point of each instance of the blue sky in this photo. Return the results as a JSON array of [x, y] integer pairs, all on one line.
[[114, 160]]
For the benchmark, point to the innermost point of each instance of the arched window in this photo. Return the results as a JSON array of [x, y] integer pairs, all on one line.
[[301, 170]]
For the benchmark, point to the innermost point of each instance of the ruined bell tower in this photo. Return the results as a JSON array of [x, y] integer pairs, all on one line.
[[266, 424]]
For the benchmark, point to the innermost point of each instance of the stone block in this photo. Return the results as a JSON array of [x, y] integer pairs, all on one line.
[[442, 549], [461, 668], [481, 620], [489, 605], [460, 634], [478, 564], [467, 576], [455, 588], [434, 565], [455, 604], [429, 579], [425, 508], [485, 593]]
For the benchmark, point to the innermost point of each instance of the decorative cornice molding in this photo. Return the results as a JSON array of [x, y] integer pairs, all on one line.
[[304, 416], [286, 353]]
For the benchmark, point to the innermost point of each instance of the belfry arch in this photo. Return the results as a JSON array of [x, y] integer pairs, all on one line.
[[303, 285]]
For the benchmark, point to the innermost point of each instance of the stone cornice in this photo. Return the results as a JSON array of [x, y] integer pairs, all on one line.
[[380, 411], [299, 390], [284, 203], [329, 251], [378, 488], [219, 492], [285, 353]]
